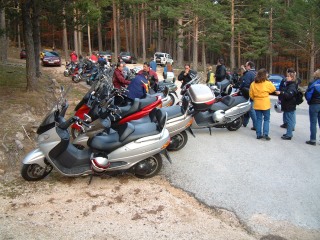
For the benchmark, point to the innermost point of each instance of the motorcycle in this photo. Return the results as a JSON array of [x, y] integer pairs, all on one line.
[[179, 121], [134, 149], [226, 113], [70, 68]]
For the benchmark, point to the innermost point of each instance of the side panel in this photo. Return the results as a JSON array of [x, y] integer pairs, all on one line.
[[36, 156]]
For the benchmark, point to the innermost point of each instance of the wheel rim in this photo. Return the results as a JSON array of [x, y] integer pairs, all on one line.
[[177, 141], [36, 171], [152, 164], [236, 124]]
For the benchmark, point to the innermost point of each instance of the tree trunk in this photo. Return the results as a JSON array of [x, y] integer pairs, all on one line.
[[36, 35], [28, 40], [271, 41], [204, 62], [232, 56], [99, 35], [143, 34], [159, 47], [180, 44], [75, 33], [126, 32], [135, 40], [89, 40], [195, 43], [3, 37], [115, 37], [65, 35], [312, 55]]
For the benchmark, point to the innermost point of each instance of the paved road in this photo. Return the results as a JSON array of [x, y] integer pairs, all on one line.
[[260, 181]]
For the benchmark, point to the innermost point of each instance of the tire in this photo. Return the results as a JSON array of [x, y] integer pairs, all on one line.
[[75, 132], [235, 125], [76, 78], [178, 141], [154, 163], [66, 73], [34, 172]]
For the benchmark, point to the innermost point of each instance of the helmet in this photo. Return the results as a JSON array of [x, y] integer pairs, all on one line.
[[100, 164], [277, 107], [218, 116]]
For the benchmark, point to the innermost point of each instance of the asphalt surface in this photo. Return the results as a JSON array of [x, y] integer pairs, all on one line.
[[275, 180]]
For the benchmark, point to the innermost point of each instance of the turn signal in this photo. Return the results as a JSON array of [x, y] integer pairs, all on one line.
[[166, 144], [189, 123]]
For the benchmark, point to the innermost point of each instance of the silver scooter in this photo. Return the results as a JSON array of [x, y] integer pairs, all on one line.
[[131, 149], [226, 113]]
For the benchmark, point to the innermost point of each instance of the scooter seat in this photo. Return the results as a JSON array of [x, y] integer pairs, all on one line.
[[140, 131], [105, 142], [137, 105], [174, 111]]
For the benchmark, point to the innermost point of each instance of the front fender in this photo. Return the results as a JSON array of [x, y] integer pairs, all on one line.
[[36, 156]]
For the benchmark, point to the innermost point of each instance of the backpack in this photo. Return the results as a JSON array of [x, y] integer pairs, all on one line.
[[299, 96]]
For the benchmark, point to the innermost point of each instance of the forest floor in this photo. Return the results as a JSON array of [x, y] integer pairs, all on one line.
[[121, 207]]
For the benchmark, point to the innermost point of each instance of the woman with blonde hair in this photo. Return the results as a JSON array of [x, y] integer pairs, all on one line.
[[259, 92], [313, 99]]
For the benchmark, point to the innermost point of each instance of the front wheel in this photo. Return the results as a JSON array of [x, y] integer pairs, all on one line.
[[76, 78], [66, 73], [34, 172], [148, 167], [178, 141], [235, 125]]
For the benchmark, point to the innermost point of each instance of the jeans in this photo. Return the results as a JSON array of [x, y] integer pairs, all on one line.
[[251, 114], [285, 121], [266, 122], [291, 122], [314, 116]]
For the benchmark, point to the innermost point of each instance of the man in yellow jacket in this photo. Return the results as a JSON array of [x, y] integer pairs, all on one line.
[[259, 92]]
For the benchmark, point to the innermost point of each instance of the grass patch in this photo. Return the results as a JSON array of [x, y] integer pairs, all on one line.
[[13, 77]]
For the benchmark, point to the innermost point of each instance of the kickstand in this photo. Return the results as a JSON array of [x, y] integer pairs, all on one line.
[[190, 130], [90, 180], [209, 130]]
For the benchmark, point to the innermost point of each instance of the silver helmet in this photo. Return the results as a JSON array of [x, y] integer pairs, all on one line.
[[277, 107], [100, 164]]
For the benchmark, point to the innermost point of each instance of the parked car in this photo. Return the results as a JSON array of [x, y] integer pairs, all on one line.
[[107, 55], [162, 58], [276, 80], [23, 54], [51, 59], [127, 57]]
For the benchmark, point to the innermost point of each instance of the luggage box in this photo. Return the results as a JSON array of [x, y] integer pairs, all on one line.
[[201, 97]]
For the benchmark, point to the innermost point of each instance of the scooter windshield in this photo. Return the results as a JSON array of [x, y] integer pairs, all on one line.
[[58, 109]]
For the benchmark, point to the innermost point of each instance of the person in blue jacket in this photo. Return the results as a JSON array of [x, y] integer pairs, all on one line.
[[153, 65], [138, 86], [313, 98]]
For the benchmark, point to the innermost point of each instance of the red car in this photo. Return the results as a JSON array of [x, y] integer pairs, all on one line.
[[51, 59], [23, 54]]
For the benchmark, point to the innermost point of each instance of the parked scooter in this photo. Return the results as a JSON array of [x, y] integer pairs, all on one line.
[[179, 121], [134, 149], [227, 113]]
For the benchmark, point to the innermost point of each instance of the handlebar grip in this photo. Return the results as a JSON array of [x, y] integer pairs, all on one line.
[[66, 124]]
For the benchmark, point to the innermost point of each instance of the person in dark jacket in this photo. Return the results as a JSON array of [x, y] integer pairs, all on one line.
[[138, 86], [288, 103], [187, 75], [247, 78], [313, 98], [152, 77], [221, 71], [118, 78]]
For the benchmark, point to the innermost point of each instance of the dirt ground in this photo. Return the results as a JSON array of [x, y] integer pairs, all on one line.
[[121, 207]]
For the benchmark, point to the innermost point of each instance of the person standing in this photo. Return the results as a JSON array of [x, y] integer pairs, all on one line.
[[288, 103], [221, 71], [247, 78], [259, 92], [187, 75], [118, 78], [153, 65], [211, 79], [313, 98], [73, 57]]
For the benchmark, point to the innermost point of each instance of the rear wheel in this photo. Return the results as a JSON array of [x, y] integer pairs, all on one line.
[[235, 125], [148, 167], [34, 172], [178, 141]]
